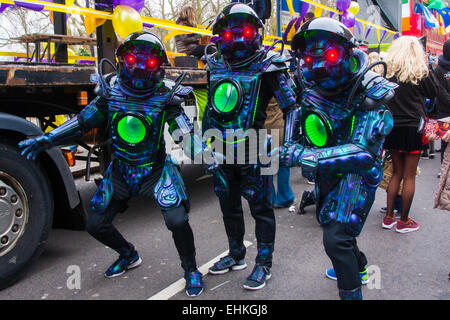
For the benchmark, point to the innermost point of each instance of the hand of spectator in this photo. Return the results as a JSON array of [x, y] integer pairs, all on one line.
[[446, 136]]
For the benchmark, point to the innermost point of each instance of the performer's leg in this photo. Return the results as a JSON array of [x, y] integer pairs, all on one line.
[[233, 215], [346, 258], [101, 228], [99, 225], [177, 222]]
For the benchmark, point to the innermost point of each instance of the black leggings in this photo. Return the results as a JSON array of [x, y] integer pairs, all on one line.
[[233, 214], [345, 256], [101, 228]]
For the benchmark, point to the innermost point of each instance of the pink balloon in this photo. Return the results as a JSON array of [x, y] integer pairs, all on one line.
[[348, 19]]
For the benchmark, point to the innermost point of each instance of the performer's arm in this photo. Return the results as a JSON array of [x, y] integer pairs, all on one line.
[[92, 116], [368, 133]]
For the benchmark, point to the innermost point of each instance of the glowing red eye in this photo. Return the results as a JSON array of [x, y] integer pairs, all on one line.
[[152, 63], [130, 59], [227, 35], [332, 55], [308, 60], [248, 32]]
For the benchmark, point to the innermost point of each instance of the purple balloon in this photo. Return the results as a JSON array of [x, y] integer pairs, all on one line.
[[3, 6], [31, 6], [135, 4], [348, 19], [343, 5], [148, 25]]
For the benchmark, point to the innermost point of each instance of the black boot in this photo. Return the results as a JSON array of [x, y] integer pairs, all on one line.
[[308, 199]]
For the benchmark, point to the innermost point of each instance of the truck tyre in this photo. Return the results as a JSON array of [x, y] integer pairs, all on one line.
[[26, 212]]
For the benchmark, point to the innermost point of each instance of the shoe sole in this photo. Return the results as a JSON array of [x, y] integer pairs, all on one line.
[[406, 230], [335, 279], [135, 264], [260, 286], [194, 295], [233, 268], [388, 226]]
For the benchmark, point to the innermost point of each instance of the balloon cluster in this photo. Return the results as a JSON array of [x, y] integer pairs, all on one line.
[[350, 9]]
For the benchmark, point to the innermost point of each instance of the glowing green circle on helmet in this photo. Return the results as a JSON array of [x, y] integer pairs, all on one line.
[[131, 129], [315, 130], [225, 97]]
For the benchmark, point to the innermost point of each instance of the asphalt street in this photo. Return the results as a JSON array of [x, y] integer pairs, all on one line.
[[403, 266]]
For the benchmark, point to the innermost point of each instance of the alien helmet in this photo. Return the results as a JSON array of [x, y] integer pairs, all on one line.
[[240, 32], [140, 58], [326, 57]]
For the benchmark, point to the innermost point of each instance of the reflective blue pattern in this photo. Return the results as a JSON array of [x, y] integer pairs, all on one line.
[[170, 191]]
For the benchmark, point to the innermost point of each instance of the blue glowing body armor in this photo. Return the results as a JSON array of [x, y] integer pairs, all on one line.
[[233, 94], [339, 148]]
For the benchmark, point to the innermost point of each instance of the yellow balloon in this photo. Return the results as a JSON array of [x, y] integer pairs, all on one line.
[[70, 2], [126, 20], [354, 7]]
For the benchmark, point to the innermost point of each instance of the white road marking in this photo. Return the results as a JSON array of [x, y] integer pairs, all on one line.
[[179, 285]]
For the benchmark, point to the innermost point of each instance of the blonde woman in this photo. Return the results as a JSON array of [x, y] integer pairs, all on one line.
[[189, 43], [408, 67], [375, 57]]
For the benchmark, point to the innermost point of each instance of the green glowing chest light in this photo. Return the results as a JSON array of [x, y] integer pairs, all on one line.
[[225, 97], [131, 129], [315, 130]]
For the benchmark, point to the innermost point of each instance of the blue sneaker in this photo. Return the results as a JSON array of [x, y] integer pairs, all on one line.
[[363, 274], [257, 279], [124, 263], [226, 264], [194, 283]]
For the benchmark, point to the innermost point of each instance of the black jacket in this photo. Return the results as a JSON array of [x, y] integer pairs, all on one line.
[[442, 73], [408, 104]]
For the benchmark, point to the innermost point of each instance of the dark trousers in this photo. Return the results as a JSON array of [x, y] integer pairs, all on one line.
[[101, 228], [233, 214], [345, 255]]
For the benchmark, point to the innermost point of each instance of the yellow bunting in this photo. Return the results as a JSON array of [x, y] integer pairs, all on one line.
[[91, 23], [290, 7], [318, 12], [126, 20]]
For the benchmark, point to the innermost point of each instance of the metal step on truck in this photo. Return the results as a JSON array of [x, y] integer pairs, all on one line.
[[38, 195]]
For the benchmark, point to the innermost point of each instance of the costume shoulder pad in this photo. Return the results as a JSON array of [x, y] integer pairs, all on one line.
[[176, 91], [376, 90], [273, 61], [103, 84]]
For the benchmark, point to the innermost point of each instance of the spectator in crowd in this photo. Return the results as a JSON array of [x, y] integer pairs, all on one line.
[[190, 43], [442, 199], [282, 197], [442, 73], [375, 57], [308, 16], [408, 67]]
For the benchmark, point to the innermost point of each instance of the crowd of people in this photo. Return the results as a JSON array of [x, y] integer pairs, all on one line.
[[325, 123]]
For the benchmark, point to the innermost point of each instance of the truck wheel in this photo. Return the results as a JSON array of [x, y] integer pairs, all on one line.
[[26, 212]]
